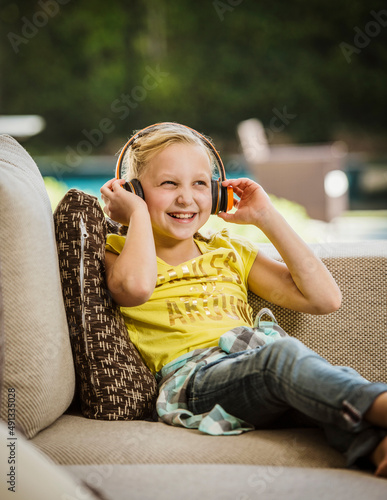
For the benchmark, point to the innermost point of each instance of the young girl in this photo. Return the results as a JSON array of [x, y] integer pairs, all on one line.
[[180, 293]]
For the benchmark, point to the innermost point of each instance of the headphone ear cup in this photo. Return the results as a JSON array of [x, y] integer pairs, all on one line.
[[216, 194], [222, 197], [134, 186]]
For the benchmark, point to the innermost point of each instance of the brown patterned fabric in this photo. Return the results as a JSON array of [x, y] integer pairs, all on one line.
[[112, 380]]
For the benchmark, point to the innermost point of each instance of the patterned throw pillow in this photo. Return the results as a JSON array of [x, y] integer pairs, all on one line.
[[113, 382]]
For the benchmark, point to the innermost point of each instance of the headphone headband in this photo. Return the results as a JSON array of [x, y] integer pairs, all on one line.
[[219, 162]]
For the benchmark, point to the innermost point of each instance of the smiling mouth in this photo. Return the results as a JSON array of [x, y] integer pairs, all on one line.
[[182, 216]]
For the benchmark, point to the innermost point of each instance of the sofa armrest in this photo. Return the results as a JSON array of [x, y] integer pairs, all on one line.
[[356, 334]]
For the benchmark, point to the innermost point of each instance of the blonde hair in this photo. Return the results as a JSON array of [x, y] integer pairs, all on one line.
[[153, 141]]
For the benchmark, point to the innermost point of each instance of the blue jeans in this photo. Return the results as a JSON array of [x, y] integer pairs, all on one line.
[[261, 385]]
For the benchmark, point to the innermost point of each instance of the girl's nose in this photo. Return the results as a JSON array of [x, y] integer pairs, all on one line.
[[184, 196]]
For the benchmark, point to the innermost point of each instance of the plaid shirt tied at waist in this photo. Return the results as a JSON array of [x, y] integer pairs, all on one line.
[[174, 377]]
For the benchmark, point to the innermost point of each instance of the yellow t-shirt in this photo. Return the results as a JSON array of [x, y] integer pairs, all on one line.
[[193, 303]]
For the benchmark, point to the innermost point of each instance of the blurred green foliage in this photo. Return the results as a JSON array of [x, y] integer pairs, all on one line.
[[216, 63]]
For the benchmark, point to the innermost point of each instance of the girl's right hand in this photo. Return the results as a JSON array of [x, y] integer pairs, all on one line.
[[119, 203], [254, 205]]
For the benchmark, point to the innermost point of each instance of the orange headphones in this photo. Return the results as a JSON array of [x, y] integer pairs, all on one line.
[[222, 197]]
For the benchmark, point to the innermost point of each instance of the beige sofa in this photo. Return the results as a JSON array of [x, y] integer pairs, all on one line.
[[148, 459]]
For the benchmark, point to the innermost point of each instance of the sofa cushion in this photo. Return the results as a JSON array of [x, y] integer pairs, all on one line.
[[113, 382], [230, 482], [2, 343], [34, 476], [38, 360], [75, 440]]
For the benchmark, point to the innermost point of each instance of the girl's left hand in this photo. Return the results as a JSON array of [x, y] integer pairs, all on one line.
[[254, 205]]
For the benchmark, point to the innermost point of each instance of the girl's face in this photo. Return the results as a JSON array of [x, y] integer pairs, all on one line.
[[177, 189]]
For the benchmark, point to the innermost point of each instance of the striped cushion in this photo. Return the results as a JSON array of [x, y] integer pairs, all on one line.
[[112, 381], [38, 361]]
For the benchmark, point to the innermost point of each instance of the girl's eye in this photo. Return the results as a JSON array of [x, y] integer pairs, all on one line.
[[201, 183], [169, 182]]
